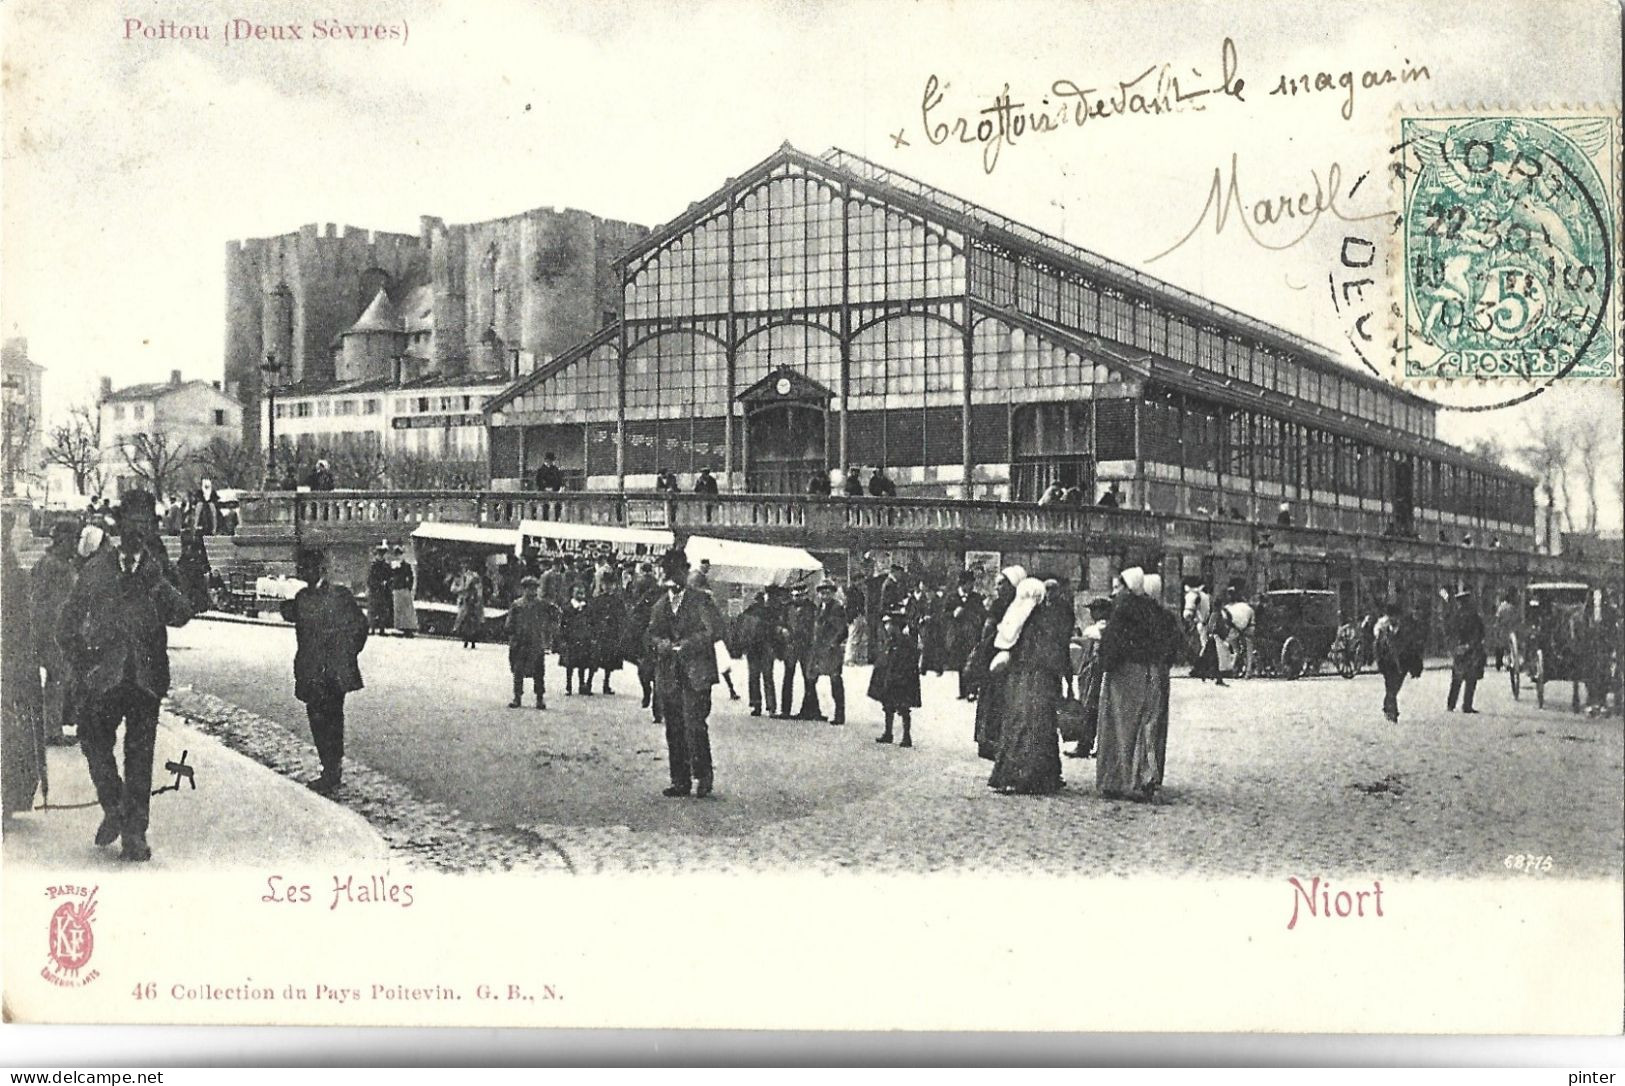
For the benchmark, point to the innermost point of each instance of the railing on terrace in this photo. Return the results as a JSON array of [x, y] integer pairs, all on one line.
[[394, 513]]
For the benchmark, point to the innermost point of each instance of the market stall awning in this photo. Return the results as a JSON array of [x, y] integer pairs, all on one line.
[[468, 533], [568, 532], [736, 562]]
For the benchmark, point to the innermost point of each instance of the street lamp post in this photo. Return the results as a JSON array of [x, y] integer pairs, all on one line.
[[271, 368]]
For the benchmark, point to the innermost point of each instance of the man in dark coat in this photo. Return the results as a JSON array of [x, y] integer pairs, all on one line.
[[1466, 652], [752, 637], [380, 604], [1398, 648], [828, 655], [853, 487], [683, 632], [49, 584], [606, 621], [966, 613], [549, 476], [329, 632], [641, 595], [112, 628], [880, 484], [797, 622], [705, 482], [532, 623]]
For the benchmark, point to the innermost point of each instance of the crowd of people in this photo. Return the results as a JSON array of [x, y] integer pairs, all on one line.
[[85, 648]]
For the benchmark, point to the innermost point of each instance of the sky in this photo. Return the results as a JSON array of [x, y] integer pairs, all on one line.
[[131, 160]]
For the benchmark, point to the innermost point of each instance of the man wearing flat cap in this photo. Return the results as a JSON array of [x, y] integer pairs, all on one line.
[[683, 632], [533, 623], [112, 629]]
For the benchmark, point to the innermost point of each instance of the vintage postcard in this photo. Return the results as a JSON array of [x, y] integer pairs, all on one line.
[[814, 515]]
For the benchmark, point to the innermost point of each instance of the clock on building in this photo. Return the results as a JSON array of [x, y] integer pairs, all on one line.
[[783, 386]]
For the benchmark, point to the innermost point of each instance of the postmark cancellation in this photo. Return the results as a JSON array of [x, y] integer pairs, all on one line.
[[1507, 240]]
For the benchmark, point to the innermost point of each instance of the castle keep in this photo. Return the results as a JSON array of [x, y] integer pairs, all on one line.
[[339, 305]]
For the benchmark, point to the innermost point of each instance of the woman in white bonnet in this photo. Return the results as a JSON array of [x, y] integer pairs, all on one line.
[[1032, 657], [989, 686], [1131, 697]]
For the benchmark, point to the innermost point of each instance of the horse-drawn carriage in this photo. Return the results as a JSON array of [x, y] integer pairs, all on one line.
[[1296, 631], [1553, 640]]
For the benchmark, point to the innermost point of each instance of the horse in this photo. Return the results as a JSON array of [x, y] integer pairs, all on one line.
[[1199, 624]]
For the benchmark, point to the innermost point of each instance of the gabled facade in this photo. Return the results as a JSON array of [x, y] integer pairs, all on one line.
[[182, 416], [971, 356]]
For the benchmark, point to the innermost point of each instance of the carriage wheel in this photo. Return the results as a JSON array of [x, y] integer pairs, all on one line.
[[1514, 674], [1348, 665], [1293, 658], [1538, 674]]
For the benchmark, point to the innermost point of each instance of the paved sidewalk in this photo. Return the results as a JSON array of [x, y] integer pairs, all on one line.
[[241, 814]]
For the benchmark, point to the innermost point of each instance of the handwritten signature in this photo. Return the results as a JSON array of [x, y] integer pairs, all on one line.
[[1259, 218], [1156, 91]]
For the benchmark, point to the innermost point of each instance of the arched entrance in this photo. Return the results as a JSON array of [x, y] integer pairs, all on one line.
[[784, 448], [786, 433]]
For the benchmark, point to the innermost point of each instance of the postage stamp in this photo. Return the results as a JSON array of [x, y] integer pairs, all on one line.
[[1508, 231]]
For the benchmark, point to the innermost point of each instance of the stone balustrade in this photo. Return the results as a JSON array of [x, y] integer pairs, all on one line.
[[859, 523]]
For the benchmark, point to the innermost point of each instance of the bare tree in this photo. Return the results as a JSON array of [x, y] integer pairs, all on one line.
[[1489, 447], [357, 466], [1547, 455], [228, 463], [77, 445], [413, 471], [18, 425], [157, 459], [1592, 437]]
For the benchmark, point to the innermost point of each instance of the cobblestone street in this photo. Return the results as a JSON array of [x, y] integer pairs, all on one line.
[[1264, 777]]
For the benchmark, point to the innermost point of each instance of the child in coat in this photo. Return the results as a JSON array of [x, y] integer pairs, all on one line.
[[895, 681]]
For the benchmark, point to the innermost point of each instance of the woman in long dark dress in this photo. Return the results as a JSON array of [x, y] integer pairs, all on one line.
[[1132, 651], [1170, 640], [470, 592], [607, 619], [577, 655], [193, 567], [1031, 644], [990, 687]]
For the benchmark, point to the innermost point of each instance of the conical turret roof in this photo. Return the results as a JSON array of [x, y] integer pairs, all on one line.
[[379, 317]]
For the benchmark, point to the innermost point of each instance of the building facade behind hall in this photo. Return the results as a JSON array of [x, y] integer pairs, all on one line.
[[23, 381], [177, 418], [823, 312], [480, 298]]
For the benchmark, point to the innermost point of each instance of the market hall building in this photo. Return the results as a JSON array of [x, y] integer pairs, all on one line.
[[822, 312]]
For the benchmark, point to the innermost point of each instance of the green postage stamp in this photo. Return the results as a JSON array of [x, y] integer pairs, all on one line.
[[1509, 228]]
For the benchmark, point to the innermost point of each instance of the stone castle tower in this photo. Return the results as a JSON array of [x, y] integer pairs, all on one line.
[[495, 296]]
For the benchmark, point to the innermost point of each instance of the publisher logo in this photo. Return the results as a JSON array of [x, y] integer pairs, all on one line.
[[70, 940]]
